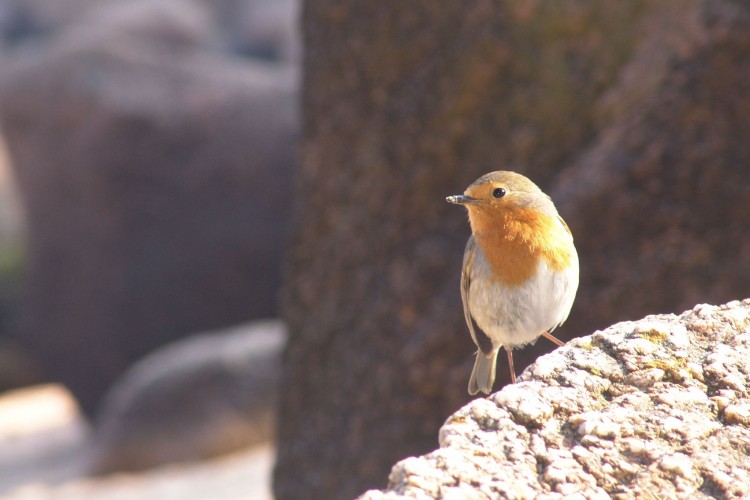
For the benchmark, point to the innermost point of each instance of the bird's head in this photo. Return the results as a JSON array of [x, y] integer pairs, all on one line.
[[503, 191]]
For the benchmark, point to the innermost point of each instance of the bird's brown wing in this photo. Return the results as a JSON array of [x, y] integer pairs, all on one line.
[[480, 338]]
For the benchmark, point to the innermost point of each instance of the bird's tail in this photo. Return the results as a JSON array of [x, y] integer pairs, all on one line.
[[483, 374]]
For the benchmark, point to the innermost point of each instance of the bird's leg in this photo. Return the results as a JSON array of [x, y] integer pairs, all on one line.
[[553, 339], [509, 352]]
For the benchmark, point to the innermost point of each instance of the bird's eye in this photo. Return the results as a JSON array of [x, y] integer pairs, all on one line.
[[498, 192]]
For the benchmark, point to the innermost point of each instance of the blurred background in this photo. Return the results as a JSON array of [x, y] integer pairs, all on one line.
[[146, 165], [224, 245]]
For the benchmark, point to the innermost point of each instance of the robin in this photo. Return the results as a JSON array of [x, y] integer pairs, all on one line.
[[520, 269]]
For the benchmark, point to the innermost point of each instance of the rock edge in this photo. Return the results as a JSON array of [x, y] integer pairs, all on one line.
[[656, 405]]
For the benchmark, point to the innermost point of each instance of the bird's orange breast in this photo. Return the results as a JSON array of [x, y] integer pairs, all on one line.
[[515, 239]]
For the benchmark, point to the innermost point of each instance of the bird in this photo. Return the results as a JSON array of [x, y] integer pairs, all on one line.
[[520, 270]]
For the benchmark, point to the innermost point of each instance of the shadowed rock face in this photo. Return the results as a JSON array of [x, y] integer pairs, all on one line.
[[155, 178], [640, 407], [632, 116], [658, 202]]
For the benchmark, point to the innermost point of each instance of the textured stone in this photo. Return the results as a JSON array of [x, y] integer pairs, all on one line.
[[663, 437]]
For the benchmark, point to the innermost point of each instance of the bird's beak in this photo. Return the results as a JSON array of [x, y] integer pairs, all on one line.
[[462, 199]]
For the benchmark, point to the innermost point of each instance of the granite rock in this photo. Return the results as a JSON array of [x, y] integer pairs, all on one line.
[[640, 408]]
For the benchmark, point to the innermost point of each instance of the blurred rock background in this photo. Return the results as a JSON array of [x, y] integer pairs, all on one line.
[[149, 163], [147, 157], [149, 180]]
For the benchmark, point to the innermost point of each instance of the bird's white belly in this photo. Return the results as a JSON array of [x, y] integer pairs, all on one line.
[[516, 315]]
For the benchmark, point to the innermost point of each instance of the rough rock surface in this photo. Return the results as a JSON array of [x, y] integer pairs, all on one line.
[[658, 406], [150, 169], [197, 398]]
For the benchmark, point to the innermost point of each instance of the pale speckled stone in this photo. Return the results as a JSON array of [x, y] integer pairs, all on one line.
[[680, 465], [696, 371], [463, 492], [636, 446], [658, 405], [595, 424], [738, 414], [639, 346], [635, 400], [552, 366], [677, 396], [563, 399], [736, 382], [739, 317], [721, 402], [526, 406], [606, 430], [645, 378], [592, 361]]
